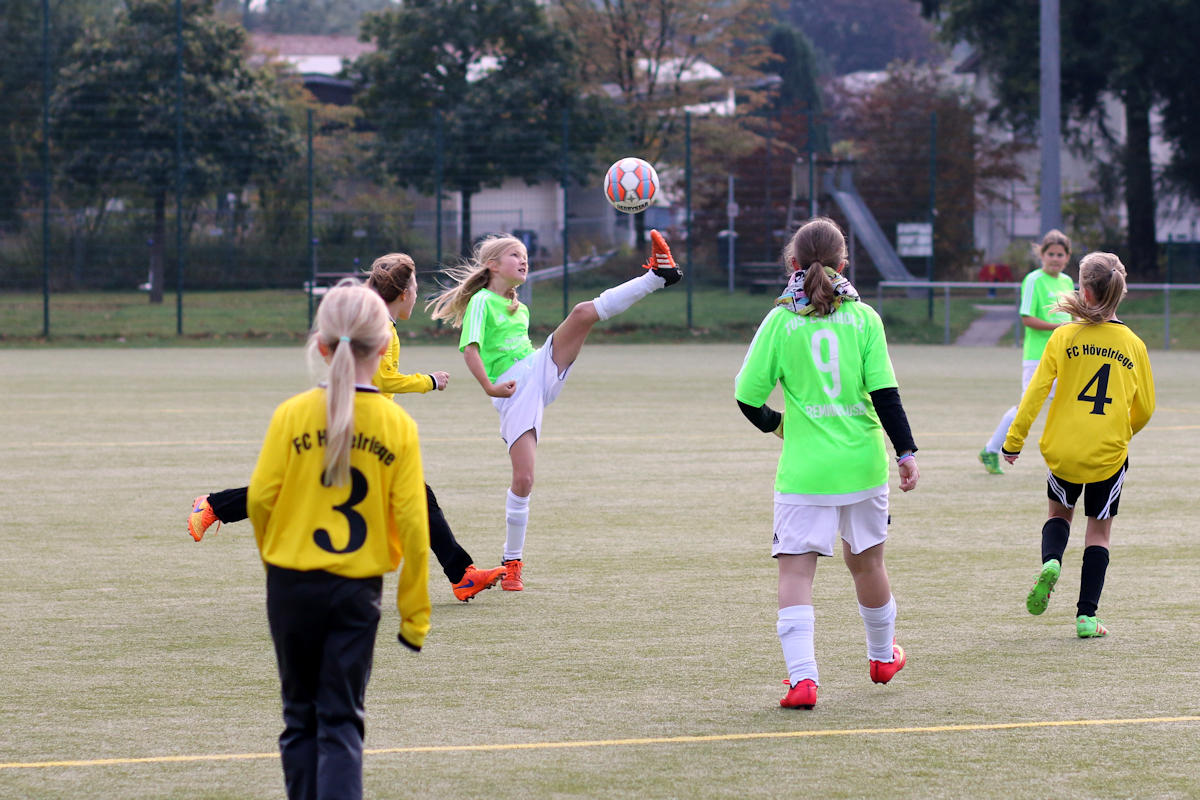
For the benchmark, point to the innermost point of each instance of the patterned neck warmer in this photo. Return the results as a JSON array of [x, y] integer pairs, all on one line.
[[795, 300]]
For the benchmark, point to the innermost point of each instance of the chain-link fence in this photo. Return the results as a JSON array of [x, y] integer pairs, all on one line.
[[135, 162]]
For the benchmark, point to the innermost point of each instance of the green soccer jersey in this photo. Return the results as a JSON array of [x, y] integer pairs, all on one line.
[[503, 338], [827, 366], [1039, 293]]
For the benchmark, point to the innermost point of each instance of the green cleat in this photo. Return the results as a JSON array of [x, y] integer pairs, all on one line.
[[1039, 596], [990, 461], [1089, 627]]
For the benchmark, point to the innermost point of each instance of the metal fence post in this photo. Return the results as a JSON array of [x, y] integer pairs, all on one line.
[[46, 168]]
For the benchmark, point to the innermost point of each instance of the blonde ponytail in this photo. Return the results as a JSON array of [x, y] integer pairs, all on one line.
[[351, 326], [1103, 275]]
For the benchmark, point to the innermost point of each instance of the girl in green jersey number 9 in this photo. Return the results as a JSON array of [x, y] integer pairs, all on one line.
[[827, 351], [521, 380]]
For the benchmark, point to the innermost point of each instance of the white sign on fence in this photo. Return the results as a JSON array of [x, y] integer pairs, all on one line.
[[914, 239]]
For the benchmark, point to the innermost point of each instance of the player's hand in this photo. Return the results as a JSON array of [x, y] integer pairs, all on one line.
[[909, 474], [440, 380], [505, 389], [1012, 459], [779, 431]]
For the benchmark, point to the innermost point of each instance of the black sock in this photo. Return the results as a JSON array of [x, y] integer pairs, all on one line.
[[1055, 533], [1091, 579]]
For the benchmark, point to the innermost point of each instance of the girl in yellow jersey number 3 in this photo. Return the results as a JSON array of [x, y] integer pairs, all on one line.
[[337, 499], [1105, 395]]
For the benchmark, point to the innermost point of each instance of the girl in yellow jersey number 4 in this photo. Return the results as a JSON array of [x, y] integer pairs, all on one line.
[[1105, 395], [829, 353], [337, 499]]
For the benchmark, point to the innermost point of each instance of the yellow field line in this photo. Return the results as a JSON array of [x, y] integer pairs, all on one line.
[[721, 737]]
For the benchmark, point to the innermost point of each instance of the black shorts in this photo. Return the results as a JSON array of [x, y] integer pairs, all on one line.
[[1100, 498]]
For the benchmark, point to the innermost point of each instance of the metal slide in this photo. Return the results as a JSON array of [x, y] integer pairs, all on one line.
[[866, 229]]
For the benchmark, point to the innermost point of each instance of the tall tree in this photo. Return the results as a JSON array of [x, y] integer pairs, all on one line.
[[659, 57], [495, 73], [887, 128], [113, 113], [855, 35], [312, 16], [21, 81], [1133, 51]]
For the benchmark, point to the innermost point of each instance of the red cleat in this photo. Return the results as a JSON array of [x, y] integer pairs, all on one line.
[[475, 581], [661, 262], [802, 695], [201, 518], [512, 581], [884, 671]]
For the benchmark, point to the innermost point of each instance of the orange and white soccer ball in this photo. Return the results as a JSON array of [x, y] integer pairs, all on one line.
[[631, 185]]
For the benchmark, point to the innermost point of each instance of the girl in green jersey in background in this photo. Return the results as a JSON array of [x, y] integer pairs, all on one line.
[[827, 351], [1040, 292], [521, 380]]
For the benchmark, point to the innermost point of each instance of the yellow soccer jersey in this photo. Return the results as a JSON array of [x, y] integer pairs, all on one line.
[[359, 530], [388, 377], [1105, 395]]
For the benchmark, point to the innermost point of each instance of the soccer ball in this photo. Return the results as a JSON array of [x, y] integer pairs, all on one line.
[[631, 185]]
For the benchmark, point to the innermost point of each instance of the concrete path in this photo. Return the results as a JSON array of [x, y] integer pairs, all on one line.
[[988, 329]]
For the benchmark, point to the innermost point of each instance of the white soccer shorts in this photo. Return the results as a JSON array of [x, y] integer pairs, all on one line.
[[538, 384], [815, 529]]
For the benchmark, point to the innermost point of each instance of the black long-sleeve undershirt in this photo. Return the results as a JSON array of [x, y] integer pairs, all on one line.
[[887, 407]]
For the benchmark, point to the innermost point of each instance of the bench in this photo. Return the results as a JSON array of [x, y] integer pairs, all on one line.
[[322, 282], [760, 276]]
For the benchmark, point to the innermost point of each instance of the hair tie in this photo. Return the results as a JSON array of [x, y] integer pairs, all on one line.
[[343, 338]]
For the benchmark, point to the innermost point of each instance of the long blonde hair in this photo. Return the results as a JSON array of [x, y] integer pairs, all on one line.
[[468, 278], [352, 326], [1103, 275], [818, 243]]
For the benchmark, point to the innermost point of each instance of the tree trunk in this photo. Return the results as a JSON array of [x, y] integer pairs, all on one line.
[[157, 248], [1139, 186], [464, 225]]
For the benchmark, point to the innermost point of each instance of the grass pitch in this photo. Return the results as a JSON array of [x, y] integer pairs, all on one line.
[[641, 661]]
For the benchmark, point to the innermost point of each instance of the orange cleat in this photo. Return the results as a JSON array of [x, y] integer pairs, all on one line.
[[201, 518], [512, 581], [661, 262], [475, 581], [802, 695], [884, 671]]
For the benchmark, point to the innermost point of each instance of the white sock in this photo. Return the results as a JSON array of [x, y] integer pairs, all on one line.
[[619, 298], [997, 441], [881, 629], [516, 517], [795, 628]]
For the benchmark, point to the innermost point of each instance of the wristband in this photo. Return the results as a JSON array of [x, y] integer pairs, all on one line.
[[905, 457]]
